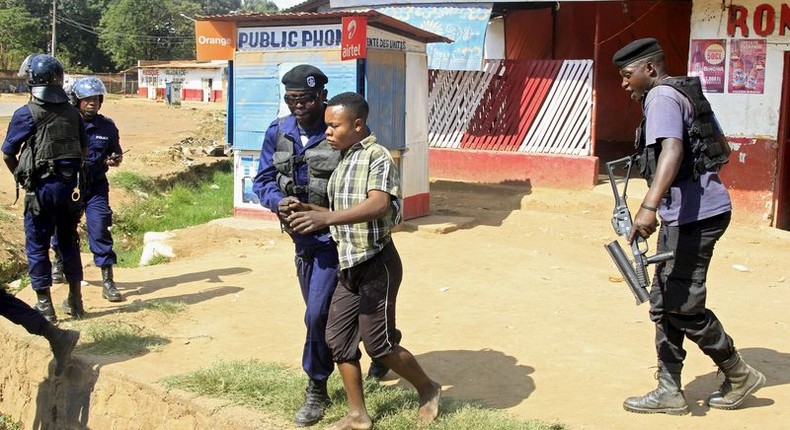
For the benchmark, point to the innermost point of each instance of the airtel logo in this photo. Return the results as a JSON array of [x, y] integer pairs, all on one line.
[[351, 29]]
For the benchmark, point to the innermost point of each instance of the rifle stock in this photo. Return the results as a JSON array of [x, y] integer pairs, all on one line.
[[634, 272]]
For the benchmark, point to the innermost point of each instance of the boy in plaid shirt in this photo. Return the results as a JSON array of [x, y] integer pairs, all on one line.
[[365, 204]]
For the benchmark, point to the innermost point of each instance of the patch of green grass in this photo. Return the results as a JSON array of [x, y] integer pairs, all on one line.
[[8, 423], [132, 182], [279, 391], [158, 259], [167, 307], [116, 337], [181, 204]]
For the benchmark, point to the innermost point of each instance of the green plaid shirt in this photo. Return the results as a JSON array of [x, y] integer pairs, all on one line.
[[365, 166]]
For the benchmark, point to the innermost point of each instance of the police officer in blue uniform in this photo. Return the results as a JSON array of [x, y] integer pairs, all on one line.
[[104, 151], [49, 168], [294, 156]]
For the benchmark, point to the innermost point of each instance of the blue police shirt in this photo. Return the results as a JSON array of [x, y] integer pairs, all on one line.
[[265, 182], [103, 140], [22, 126]]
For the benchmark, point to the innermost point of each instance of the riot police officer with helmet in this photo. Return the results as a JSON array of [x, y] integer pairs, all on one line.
[[44, 149], [104, 151]]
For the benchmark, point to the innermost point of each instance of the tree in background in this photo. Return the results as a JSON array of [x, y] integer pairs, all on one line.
[[78, 35], [108, 35], [15, 22], [259, 6], [134, 30]]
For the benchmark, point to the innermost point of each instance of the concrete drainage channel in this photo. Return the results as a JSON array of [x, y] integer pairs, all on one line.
[[89, 397]]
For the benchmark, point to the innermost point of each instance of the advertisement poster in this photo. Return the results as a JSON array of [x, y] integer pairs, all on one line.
[[707, 61], [747, 66]]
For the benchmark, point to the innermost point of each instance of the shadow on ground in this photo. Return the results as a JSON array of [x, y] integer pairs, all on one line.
[[489, 377], [450, 198]]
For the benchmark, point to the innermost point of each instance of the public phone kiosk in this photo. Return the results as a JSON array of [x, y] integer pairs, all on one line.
[[366, 52]]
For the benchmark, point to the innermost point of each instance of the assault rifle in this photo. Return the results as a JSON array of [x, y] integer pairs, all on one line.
[[634, 273]]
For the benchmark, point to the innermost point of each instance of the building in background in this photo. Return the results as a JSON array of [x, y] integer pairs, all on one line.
[[198, 81]]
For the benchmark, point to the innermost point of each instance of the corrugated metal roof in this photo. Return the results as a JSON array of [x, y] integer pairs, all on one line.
[[375, 19]]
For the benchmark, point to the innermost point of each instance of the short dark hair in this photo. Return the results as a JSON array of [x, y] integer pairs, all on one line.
[[352, 102]]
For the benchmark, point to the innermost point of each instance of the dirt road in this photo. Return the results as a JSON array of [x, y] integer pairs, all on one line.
[[519, 310]]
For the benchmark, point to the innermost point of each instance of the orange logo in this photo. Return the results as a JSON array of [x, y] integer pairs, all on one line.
[[215, 40]]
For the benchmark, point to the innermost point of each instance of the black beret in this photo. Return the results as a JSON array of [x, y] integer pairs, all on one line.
[[637, 50], [304, 77]]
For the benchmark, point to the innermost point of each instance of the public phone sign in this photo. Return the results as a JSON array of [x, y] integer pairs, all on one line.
[[354, 41]]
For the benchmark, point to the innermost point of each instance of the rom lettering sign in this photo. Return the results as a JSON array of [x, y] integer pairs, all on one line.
[[762, 20]]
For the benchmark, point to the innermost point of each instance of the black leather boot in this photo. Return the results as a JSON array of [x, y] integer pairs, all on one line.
[[44, 305], [62, 343], [57, 269], [378, 369], [316, 400], [666, 399], [740, 380], [73, 304], [109, 290]]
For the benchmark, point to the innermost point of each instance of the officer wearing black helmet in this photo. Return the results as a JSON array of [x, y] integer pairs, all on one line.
[[44, 148], [104, 151]]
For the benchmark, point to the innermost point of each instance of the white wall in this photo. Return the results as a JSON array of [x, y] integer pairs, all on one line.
[[415, 176], [190, 78], [495, 40], [748, 115]]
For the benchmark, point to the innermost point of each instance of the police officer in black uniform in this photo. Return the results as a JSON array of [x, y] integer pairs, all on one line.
[[681, 149], [44, 148]]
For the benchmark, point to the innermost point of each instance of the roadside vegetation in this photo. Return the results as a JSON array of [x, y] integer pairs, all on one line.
[[278, 391], [191, 198], [8, 423], [117, 337]]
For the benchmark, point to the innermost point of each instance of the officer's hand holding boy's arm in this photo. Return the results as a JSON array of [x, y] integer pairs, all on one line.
[[286, 205]]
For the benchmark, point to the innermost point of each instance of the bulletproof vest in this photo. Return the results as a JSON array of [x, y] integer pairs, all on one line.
[[58, 138], [321, 161], [703, 142]]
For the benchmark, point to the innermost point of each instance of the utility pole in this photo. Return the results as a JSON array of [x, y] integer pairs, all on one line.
[[54, 39]]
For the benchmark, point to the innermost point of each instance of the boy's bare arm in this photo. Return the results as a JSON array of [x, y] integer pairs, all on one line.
[[374, 207]]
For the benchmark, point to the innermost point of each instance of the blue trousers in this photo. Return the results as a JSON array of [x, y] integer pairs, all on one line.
[[316, 268], [58, 213], [98, 217], [20, 313]]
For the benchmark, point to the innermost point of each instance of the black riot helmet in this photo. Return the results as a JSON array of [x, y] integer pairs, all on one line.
[[44, 75]]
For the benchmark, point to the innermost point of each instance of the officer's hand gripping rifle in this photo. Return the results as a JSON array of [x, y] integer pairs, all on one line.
[[634, 274]]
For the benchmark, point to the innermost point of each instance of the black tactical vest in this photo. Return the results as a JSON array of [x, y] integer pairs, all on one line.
[[57, 137], [321, 161], [703, 142]]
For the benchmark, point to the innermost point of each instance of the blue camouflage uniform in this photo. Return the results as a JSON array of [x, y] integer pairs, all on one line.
[[103, 140], [59, 213], [316, 254]]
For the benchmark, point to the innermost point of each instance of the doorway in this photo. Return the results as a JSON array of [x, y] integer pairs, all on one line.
[[782, 188]]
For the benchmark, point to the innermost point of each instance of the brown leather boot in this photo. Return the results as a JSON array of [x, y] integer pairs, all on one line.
[[740, 381], [666, 399]]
